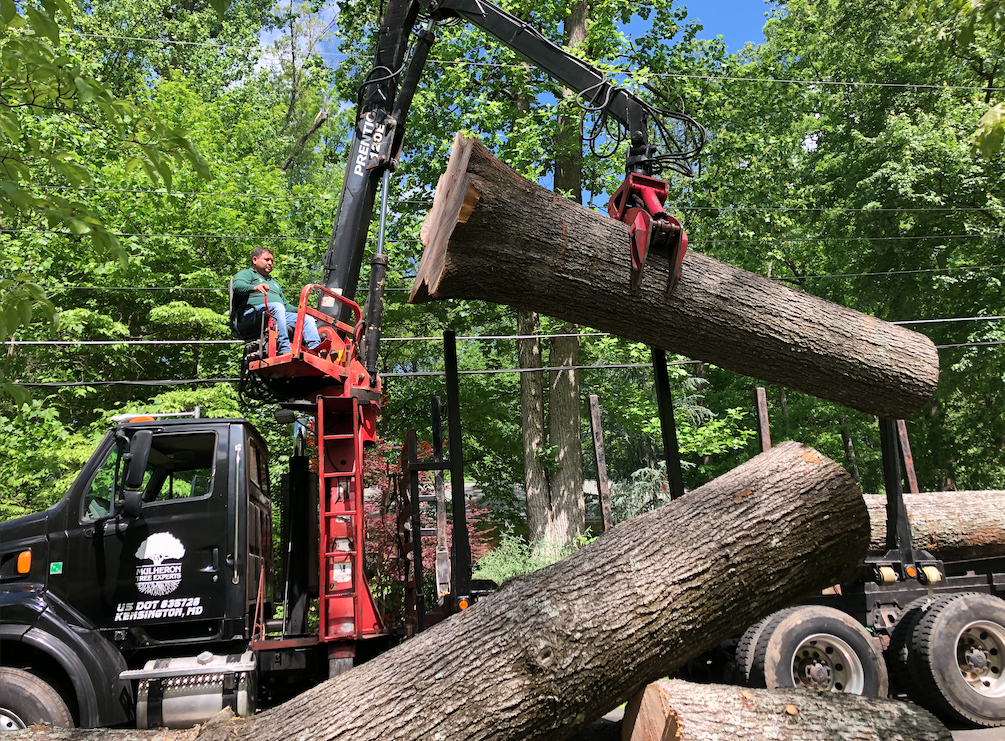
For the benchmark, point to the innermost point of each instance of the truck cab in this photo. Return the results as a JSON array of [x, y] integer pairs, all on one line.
[[147, 572]]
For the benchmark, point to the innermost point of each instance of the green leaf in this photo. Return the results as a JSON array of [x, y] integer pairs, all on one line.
[[85, 90], [43, 23], [220, 6], [10, 126], [75, 174], [990, 133], [65, 9], [7, 10], [19, 395]]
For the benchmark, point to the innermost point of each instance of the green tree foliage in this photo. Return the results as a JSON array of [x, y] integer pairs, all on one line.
[[977, 29], [840, 163], [58, 124]]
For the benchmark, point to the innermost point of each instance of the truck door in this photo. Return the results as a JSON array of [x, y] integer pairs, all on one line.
[[161, 571]]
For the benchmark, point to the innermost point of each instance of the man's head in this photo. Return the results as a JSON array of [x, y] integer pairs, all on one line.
[[261, 260]]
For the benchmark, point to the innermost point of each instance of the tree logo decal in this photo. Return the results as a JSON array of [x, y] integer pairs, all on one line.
[[164, 575]]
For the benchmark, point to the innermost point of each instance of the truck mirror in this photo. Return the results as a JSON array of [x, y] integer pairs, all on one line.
[[136, 459], [132, 502]]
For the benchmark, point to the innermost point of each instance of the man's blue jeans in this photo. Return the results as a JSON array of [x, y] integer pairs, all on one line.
[[249, 324]]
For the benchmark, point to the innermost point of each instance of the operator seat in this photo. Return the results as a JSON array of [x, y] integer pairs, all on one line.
[[232, 307]]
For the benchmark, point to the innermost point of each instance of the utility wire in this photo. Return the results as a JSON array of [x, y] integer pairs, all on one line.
[[789, 278], [428, 202], [627, 73], [431, 338], [420, 374], [163, 192], [302, 238]]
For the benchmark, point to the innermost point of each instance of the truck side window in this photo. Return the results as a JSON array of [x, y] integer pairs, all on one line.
[[180, 467], [258, 468], [98, 501]]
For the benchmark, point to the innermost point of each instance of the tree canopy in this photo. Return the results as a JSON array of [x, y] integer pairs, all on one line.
[[140, 169]]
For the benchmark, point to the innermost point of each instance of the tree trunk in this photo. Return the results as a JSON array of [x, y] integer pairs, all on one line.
[[551, 651], [488, 226], [567, 519], [535, 477], [952, 526], [671, 709]]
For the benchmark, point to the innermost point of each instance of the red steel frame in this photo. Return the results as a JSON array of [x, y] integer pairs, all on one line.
[[346, 416]]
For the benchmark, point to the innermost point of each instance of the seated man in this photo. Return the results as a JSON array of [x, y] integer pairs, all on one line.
[[251, 287]]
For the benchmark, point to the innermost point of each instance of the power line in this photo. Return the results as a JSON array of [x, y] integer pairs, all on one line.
[[895, 272], [835, 209], [301, 238], [951, 319], [844, 239], [163, 192], [427, 202], [627, 73], [423, 374], [430, 338], [731, 78], [790, 278], [971, 344], [213, 44], [842, 83]]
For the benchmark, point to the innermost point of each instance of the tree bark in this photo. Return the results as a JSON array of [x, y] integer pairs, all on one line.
[[551, 651], [535, 478], [953, 526], [494, 236], [672, 709], [567, 515]]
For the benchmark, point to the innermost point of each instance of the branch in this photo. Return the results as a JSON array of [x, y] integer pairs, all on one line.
[[319, 121]]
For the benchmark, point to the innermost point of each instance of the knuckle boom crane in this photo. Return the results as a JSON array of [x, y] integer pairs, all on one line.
[[342, 381]]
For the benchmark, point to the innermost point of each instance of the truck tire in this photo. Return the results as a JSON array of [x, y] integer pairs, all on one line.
[[898, 656], [747, 646], [26, 700], [957, 659], [819, 648]]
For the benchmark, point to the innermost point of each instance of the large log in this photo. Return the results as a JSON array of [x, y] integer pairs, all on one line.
[[495, 236], [549, 652], [671, 709], [951, 525]]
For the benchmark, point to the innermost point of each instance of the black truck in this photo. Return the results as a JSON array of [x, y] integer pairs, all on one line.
[[142, 610]]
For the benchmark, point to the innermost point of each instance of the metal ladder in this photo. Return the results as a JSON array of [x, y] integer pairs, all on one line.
[[347, 610]]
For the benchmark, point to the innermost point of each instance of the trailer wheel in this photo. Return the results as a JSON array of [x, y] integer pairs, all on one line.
[[957, 658], [26, 700], [822, 649]]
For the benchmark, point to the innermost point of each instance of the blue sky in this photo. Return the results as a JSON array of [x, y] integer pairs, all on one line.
[[737, 21]]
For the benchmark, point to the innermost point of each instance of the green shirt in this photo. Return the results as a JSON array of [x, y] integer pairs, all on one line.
[[246, 295]]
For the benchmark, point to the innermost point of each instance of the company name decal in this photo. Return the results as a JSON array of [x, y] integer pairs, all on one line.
[[369, 145], [164, 575], [158, 608]]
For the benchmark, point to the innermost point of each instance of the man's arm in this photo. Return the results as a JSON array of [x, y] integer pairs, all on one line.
[[245, 282]]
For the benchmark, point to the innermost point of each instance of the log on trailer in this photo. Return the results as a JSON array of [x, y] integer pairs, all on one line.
[[548, 653], [495, 236], [672, 709], [951, 525]]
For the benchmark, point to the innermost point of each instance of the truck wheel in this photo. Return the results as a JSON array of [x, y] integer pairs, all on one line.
[[822, 649], [26, 700], [747, 646], [957, 658], [898, 656]]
